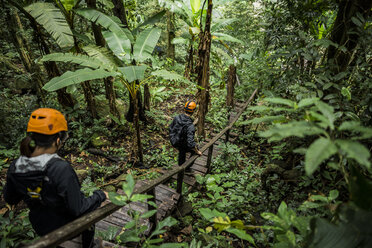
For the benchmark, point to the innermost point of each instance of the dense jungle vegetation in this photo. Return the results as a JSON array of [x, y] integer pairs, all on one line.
[[299, 173]]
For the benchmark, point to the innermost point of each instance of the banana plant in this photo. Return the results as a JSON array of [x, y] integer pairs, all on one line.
[[191, 12], [115, 61]]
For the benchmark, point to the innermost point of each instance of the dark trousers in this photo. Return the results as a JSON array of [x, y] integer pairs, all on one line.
[[182, 156]]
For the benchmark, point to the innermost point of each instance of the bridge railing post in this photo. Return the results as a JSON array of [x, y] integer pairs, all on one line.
[[180, 177], [153, 219], [209, 158]]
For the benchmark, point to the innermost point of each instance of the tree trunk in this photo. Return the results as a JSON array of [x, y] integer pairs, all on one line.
[[64, 98], [171, 51], [344, 32], [129, 116], [109, 82], [16, 29], [231, 86], [138, 133], [146, 97], [202, 69], [189, 62], [119, 11]]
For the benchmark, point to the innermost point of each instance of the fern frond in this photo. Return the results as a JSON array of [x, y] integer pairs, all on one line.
[[51, 18], [79, 59], [75, 77]]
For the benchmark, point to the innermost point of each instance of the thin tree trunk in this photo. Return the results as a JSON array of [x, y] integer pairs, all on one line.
[[202, 69], [171, 50], [15, 29], [138, 133], [64, 98], [119, 11], [189, 62], [230, 86], [146, 97], [109, 82]]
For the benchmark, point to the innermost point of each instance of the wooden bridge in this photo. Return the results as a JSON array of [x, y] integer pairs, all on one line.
[[165, 197]]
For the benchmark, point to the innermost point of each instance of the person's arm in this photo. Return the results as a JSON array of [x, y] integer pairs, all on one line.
[[11, 195], [190, 139], [69, 188]]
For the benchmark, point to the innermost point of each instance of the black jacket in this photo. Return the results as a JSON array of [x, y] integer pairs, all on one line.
[[61, 198], [188, 131]]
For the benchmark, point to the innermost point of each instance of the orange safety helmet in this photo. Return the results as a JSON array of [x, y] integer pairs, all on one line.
[[190, 106], [47, 121]]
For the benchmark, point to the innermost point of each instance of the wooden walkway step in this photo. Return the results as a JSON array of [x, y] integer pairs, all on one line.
[[166, 197]]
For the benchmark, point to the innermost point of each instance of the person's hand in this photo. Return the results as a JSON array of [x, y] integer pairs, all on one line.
[[105, 202], [198, 152], [106, 194]]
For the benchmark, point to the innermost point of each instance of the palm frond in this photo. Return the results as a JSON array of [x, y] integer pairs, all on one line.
[[51, 18], [75, 77]]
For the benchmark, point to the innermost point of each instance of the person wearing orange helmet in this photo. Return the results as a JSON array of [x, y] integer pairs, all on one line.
[[182, 133], [44, 181]]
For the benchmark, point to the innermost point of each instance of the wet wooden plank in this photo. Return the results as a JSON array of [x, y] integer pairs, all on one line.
[[197, 167]]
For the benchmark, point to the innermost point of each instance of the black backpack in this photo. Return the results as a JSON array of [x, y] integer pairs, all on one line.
[[175, 134]]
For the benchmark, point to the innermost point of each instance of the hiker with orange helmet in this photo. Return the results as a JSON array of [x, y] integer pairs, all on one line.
[[182, 133], [44, 181]]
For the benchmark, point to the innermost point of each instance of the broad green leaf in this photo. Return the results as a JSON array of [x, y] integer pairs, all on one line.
[[210, 214], [327, 111], [180, 40], [333, 194], [241, 234], [280, 101], [145, 43], [320, 150], [168, 75], [102, 54], [75, 77], [226, 37], [307, 102], [132, 73], [148, 214], [152, 20], [51, 18], [80, 59], [128, 186], [346, 93], [356, 21], [293, 128], [355, 150], [221, 223], [111, 23], [291, 237], [221, 23], [195, 5], [169, 221], [118, 43], [130, 224], [68, 4], [106, 3], [277, 118], [355, 126], [117, 199], [140, 197]]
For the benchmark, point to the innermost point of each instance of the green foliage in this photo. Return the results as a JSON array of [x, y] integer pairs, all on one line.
[[78, 76], [16, 230], [145, 43], [51, 18], [88, 187]]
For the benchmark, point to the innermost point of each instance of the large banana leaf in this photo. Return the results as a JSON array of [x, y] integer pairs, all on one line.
[[68, 4], [168, 75], [102, 54], [75, 58], [226, 37], [195, 5], [152, 20], [221, 23], [145, 43], [132, 73], [75, 77], [108, 22], [51, 18], [117, 43]]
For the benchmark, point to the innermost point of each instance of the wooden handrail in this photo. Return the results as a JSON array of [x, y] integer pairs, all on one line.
[[77, 226]]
